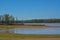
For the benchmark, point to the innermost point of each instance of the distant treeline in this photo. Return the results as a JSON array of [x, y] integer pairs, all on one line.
[[9, 19], [43, 21], [33, 21]]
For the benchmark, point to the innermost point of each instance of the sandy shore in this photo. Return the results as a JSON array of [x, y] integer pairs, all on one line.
[[27, 26], [30, 26]]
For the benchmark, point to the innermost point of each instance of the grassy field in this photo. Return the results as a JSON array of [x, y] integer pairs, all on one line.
[[10, 36]]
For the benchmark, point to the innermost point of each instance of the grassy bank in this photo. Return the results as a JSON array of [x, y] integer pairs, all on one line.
[[9, 35]]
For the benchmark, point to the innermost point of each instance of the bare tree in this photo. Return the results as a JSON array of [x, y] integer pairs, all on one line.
[[8, 19], [0, 19]]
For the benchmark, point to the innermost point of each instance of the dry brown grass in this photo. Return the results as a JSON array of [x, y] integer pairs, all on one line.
[[26, 26]]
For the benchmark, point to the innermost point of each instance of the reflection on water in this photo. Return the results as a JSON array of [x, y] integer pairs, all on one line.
[[2, 30], [37, 30], [33, 30]]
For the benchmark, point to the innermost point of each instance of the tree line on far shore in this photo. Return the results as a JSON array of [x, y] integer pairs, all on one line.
[[43, 21], [9, 19]]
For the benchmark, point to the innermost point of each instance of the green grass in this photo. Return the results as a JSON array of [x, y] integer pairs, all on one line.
[[29, 35], [9, 36]]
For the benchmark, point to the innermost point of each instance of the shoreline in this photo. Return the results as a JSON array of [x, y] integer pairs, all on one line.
[[27, 26]]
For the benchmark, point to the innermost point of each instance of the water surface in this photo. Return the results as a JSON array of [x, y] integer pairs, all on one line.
[[48, 24], [37, 30]]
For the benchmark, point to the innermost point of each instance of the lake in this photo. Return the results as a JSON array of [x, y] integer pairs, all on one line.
[[48, 24], [36, 30]]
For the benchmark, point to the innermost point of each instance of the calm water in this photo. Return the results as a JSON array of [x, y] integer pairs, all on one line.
[[48, 24], [36, 30], [56, 24]]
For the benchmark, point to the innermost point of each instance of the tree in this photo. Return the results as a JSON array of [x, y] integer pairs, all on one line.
[[11, 20], [8, 19], [0, 19]]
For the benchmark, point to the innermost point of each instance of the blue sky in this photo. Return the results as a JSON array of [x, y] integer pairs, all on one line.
[[31, 9]]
